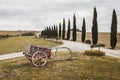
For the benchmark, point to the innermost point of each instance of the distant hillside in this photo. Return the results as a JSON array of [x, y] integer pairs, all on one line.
[[15, 32]]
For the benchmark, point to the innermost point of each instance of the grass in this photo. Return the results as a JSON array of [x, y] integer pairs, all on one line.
[[17, 44], [83, 68], [94, 53], [103, 37]]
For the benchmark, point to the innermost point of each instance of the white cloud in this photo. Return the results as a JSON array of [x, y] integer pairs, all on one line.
[[36, 14]]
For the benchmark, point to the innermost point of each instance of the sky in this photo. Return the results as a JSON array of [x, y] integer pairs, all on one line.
[[37, 14]]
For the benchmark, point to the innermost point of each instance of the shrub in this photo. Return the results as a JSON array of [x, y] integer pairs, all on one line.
[[27, 34], [102, 45], [4, 36], [94, 53], [88, 41]]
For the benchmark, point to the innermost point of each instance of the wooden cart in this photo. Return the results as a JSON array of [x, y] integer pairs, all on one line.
[[39, 55]]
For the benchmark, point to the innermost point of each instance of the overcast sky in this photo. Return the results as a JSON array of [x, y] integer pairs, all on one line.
[[36, 14]]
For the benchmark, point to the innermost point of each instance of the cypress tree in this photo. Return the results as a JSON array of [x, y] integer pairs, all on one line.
[[74, 28], [47, 32], [54, 31], [95, 28], [63, 31], [50, 32], [60, 30], [42, 33], [68, 31], [83, 31], [113, 34]]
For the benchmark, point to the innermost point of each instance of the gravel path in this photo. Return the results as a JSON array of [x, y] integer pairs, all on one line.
[[74, 46], [81, 47]]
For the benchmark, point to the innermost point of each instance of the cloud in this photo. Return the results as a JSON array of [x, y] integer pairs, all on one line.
[[37, 14]]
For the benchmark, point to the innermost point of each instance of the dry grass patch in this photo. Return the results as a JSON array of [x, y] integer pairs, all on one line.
[[103, 38], [83, 68]]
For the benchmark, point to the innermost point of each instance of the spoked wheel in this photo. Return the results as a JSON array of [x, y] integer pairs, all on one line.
[[39, 58]]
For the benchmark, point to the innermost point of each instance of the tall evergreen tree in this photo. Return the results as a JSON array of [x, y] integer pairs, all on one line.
[[83, 31], [63, 31], [74, 28], [60, 30], [68, 31], [54, 31], [47, 32], [50, 32], [95, 28], [113, 34]]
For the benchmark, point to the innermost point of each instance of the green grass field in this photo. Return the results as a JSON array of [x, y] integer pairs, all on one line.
[[83, 68], [17, 44]]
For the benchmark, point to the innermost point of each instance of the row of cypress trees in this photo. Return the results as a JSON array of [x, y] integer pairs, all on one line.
[[53, 32], [113, 34], [50, 32], [74, 32], [94, 29]]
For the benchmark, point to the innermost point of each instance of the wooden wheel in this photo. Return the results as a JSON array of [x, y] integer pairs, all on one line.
[[39, 58]]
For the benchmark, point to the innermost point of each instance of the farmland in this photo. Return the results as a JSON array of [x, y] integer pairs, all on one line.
[[103, 38]]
